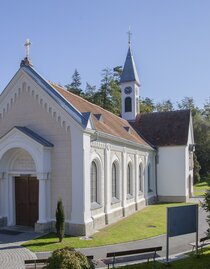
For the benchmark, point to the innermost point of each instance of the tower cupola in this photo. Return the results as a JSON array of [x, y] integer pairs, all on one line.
[[130, 86]]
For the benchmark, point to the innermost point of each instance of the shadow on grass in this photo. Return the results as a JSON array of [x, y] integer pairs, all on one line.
[[41, 244]]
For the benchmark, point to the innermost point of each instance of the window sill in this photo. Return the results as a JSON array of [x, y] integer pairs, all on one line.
[[115, 200], [95, 206]]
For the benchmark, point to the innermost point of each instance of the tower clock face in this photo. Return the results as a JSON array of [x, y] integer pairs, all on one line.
[[127, 90]]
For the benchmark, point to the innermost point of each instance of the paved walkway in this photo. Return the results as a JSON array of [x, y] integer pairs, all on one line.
[[12, 255]]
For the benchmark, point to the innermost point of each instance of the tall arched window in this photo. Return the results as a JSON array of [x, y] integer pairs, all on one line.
[[140, 178], [149, 179], [129, 182], [128, 104], [114, 181], [94, 182]]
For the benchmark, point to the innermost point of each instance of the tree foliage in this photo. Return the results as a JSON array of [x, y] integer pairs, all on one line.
[[196, 170], [147, 105], [74, 86], [68, 258], [60, 220], [164, 106], [108, 95], [206, 206]]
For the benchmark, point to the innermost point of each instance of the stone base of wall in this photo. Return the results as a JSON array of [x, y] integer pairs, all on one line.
[[99, 221], [3, 221], [140, 205], [75, 229], [173, 199], [129, 209], [43, 227], [114, 216]]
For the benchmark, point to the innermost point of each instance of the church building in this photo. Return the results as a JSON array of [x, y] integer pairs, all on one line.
[[54, 144]]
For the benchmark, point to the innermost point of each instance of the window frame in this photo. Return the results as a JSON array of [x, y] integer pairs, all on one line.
[[128, 104]]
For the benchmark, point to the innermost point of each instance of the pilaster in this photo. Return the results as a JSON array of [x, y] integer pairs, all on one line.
[[107, 179]]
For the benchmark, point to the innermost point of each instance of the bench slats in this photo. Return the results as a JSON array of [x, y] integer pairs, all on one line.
[[40, 261], [132, 252]]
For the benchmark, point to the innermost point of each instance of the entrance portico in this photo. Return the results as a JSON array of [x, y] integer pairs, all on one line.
[[25, 163]]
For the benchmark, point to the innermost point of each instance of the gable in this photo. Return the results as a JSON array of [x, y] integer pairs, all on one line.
[[27, 80]]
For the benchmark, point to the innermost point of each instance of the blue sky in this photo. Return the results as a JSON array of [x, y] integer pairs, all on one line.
[[170, 42]]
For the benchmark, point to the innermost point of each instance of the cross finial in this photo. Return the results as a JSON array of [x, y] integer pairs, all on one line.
[[129, 36], [27, 45], [27, 60]]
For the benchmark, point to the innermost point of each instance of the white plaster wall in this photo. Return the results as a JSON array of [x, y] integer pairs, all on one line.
[[108, 153], [171, 171]]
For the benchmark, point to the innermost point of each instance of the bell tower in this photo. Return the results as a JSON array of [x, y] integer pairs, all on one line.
[[130, 87]]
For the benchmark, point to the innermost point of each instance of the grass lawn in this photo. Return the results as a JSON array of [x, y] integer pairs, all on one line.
[[200, 188], [149, 222], [202, 262]]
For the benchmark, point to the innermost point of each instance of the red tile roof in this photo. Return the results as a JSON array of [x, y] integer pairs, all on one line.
[[103, 120]]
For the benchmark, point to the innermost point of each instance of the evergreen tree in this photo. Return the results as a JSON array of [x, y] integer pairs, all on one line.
[[74, 87], [196, 170], [90, 93], [188, 103], [60, 220], [105, 89]]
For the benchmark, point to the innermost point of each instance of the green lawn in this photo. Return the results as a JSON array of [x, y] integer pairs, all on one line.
[[149, 222], [200, 188], [202, 262]]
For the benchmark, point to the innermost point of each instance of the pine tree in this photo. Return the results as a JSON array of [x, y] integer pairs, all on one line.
[[60, 220], [74, 87]]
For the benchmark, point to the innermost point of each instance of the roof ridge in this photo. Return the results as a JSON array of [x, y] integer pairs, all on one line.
[[161, 112]]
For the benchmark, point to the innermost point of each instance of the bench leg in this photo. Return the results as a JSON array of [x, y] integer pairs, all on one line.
[[113, 262]]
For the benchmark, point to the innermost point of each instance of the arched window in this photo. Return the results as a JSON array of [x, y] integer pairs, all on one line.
[[114, 181], [149, 179], [128, 106], [94, 182], [140, 178], [129, 182]]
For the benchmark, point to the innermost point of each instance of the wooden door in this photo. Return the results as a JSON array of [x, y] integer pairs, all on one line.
[[26, 200]]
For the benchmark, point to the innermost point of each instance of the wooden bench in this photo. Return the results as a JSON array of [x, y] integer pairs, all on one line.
[[38, 263], [204, 241], [152, 251]]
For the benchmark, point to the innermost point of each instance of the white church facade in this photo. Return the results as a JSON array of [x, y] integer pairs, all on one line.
[[54, 144]]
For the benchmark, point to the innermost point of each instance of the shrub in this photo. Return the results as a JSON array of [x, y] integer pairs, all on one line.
[[206, 206], [60, 220], [68, 258]]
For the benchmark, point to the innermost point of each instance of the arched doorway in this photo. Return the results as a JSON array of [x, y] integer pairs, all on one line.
[[25, 165], [21, 187]]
